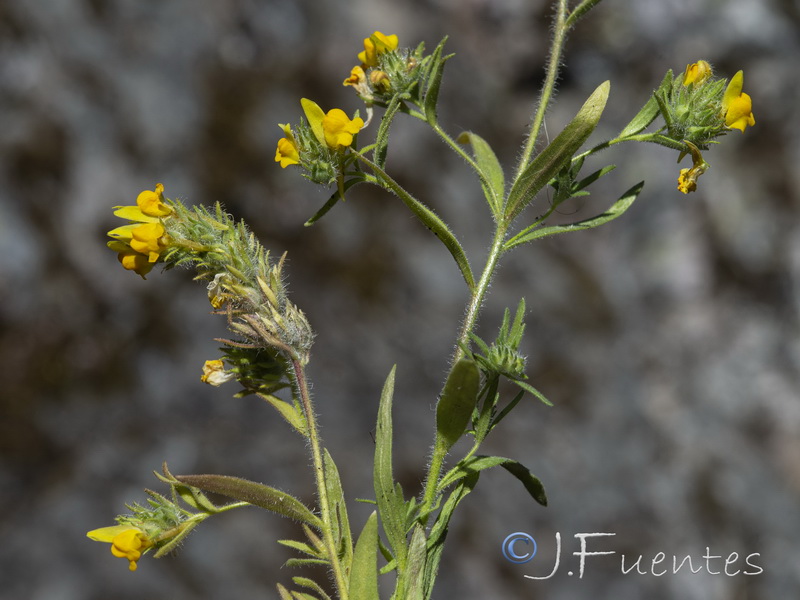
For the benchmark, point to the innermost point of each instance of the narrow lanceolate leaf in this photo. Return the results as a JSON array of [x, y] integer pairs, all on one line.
[[457, 402], [364, 574], [434, 82], [289, 412], [489, 171], [338, 511], [561, 150], [648, 113], [256, 494], [412, 581], [438, 532], [429, 218], [616, 209], [333, 200], [382, 137], [312, 585], [389, 498], [476, 464]]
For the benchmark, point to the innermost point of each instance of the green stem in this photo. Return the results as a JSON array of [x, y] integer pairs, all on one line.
[[642, 137], [478, 293], [580, 11], [559, 36], [319, 472]]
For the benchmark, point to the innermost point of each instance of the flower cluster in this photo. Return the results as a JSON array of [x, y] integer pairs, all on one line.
[[698, 108], [141, 242], [378, 48], [318, 144], [387, 71]]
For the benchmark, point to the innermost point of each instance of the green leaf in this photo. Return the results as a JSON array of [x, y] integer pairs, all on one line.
[[289, 412], [364, 574], [176, 541], [616, 209], [412, 581], [338, 511], [301, 547], [649, 111], [312, 585], [475, 464], [455, 406], [434, 82], [561, 150], [532, 390], [429, 218], [438, 532], [489, 171], [284, 593], [256, 494], [391, 505], [190, 495], [335, 197], [528, 479], [590, 179], [305, 562], [382, 137]]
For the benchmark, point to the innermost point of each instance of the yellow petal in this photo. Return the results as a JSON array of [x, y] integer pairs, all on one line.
[[697, 73], [133, 213], [124, 232], [107, 534], [286, 153], [740, 113], [148, 239], [138, 263], [734, 90], [314, 114], [357, 76], [152, 203], [339, 128], [374, 46]]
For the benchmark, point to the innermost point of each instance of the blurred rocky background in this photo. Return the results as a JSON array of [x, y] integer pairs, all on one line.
[[668, 340]]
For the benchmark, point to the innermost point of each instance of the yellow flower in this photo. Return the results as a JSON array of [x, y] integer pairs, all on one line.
[[687, 179], [152, 203], [132, 260], [149, 239], [126, 541], [287, 153], [737, 107], [140, 243], [214, 373], [357, 77], [339, 129], [697, 73], [374, 46]]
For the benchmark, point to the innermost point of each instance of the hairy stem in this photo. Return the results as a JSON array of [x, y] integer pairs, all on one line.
[[559, 36], [477, 295], [319, 472]]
